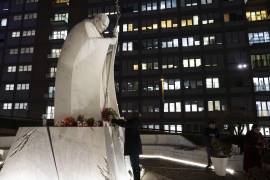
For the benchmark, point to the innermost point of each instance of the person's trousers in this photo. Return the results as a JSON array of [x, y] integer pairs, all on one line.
[[135, 164], [209, 151]]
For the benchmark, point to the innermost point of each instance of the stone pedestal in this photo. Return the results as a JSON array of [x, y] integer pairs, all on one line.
[[66, 153]]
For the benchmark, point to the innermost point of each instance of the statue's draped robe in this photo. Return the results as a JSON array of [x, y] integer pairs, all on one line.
[[81, 76]]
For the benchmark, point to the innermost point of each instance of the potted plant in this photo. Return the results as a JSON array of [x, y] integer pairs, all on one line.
[[219, 157]]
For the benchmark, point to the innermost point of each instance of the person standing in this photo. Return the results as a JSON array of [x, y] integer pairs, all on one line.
[[253, 149], [211, 132], [132, 145]]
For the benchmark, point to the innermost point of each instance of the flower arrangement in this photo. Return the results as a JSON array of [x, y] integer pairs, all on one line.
[[81, 121], [108, 113], [68, 122]]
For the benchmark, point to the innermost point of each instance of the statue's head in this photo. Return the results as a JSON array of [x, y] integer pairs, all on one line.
[[101, 21]]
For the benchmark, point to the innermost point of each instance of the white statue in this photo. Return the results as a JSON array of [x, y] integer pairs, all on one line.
[[85, 71]]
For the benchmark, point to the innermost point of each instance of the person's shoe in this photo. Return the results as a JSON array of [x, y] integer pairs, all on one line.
[[208, 166]]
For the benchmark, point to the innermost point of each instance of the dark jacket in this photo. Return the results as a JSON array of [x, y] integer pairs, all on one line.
[[133, 144], [209, 135], [253, 152]]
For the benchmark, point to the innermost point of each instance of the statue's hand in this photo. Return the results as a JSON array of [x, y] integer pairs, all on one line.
[[115, 32]]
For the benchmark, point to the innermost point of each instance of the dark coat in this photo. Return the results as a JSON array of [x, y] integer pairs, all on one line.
[[253, 150], [209, 135], [133, 144]]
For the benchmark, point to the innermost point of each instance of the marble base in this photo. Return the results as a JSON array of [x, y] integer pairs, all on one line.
[[67, 153]]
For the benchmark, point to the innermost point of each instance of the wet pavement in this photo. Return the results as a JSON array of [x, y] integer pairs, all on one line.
[[156, 169]]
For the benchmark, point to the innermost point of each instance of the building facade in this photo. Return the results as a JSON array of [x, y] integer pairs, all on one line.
[[181, 63]]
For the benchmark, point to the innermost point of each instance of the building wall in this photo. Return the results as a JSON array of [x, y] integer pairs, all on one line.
[[181, 63]]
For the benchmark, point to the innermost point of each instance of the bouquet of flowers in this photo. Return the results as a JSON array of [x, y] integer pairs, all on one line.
[[68, 122], [108, 113], [81, 121]]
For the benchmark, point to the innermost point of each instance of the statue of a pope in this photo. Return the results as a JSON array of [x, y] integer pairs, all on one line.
[[85, 71]]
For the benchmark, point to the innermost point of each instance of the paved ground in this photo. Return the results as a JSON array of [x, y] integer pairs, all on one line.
[[164, 170]]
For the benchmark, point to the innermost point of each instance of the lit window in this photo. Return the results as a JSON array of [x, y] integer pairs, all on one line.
[[263, 108], [216, 106], [135, 67], [257, 15], [25, 68], [261, 83], [206, 1], [190, 41], [52, 72], [209, 40], [23, 87], [55, 53], [188, 3], [61, 17], [168, 24], [169, 43], [190, 21], [258, 37], [31, 1], [30, 16], [130, 27], [260, 60], [51, 91], [29, 33], [149, 6], [7, 106], [59, 34], [9, 87], [172, 84], [13, 51], [226, 17], [192, 62], [3, 22], [62, 1], [127, 46], [194, 106], [212, 83], [167, 4], [172, 107], [50, 112], [16, 34], [27, 50], [22, 106], [11, 69]]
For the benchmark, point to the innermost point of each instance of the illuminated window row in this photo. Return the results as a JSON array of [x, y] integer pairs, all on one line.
[[257, 15], [55, 53], [154, 5], [62, 1], [263, 108], [149, 44], [61, 17], [171, 84], [24, 50], [61, 34], [260, 60], [22, 68], [258, 37], [17, 106], [261, 83], [173, 128], [29, 33]]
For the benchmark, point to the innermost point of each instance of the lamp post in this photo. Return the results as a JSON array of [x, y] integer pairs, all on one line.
[[162, 89]]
